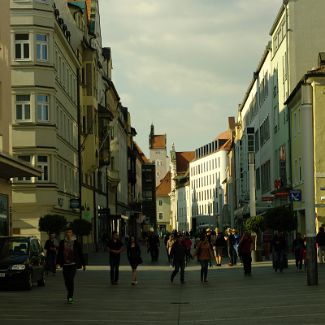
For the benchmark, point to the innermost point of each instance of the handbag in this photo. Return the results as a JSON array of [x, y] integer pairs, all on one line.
[[140, 261]]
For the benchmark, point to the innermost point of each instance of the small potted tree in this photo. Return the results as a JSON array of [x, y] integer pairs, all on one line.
[[52, 223], [81, 227], [256, 224]]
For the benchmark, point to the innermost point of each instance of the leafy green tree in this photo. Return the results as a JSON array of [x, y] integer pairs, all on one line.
[[255, 224], [281, 219], [52, 223]]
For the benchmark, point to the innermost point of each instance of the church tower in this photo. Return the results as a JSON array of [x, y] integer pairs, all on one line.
[[158, 153]]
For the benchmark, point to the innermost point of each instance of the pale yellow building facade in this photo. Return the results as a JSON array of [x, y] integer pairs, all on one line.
[[44, 112]]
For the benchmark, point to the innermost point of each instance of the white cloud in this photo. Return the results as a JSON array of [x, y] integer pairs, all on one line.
[[184, 65]]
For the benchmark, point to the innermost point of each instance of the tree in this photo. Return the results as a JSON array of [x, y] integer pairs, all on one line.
[[281, 219], [52, 223], [81, 227], [255, 224]]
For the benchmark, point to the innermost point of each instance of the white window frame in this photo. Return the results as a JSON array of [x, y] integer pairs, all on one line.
[[42, 46], [42, 108], [44, 166], [24, 158], [25, 105], [22, 44]]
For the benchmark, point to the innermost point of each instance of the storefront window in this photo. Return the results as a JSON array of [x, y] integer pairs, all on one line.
[[4, 215]]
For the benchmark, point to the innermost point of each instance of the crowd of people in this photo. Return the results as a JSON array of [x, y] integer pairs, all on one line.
[[209, 247]]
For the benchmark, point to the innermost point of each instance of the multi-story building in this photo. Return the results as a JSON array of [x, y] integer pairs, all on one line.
[[163, 204], [308, 92], [92, 93], [179, 169], [135, 199], [255, 115], [119, 162], [149, 196], [9, 165], [207, 173], [45, 111], [158, 153], [296, 40]]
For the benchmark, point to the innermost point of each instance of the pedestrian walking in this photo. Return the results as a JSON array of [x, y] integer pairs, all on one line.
[[320, 241], [245, 249], [134, 257], [170, 243], [298, 247], [70, 258], [51, 248], [204, 255], [153, 245], [187, 242], [236, 245], [178, 255], [278, 246], [230, 246], [115, 248], [218, 247], [267, 239]]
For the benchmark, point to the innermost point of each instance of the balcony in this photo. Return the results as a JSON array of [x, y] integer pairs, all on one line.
[[104, 157], [113, 177]]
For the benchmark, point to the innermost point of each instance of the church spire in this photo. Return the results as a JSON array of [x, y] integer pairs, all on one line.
[[151, 135]]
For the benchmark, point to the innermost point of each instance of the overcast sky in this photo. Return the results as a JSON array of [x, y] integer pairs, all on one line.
[[184, 65]]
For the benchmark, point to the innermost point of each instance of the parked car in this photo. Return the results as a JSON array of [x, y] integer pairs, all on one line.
[[22, 262]]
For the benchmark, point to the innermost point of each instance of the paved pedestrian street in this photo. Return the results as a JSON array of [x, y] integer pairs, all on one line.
[[228, 298]]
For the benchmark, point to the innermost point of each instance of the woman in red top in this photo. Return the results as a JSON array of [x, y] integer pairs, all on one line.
[[245, 248], [204, 254]]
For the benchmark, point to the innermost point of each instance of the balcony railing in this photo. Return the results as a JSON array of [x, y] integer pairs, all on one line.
[[113, 176]]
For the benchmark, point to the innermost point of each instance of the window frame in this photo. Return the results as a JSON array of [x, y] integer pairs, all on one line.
[[45, 167], [24, 104], [22, 42], [42, 45], [42, 106]]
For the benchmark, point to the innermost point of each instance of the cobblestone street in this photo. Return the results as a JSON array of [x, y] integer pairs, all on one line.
[[229, 297]]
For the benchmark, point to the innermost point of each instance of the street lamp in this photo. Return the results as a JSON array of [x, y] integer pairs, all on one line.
[[309, 187]]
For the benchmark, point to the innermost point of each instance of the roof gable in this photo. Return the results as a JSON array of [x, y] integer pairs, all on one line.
[[183, 159], [158, 141], [164, 188]]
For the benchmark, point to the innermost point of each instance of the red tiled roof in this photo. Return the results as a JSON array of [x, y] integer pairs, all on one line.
[[141, 154], [226, 146], [158, 141], [224, 135], [183, 159], [164, 188]]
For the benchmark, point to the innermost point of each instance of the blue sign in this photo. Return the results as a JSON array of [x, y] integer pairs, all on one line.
[[295, 195]]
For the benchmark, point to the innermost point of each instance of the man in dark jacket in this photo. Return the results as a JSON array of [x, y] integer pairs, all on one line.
[[178, 256], [320, 240], [115, 248], [70, 258], [153, 245]]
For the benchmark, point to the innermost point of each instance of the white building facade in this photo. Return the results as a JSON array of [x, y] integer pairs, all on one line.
[[207, 173]]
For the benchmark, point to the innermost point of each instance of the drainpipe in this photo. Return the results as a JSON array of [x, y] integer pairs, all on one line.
[[95, 211], [79, 142]]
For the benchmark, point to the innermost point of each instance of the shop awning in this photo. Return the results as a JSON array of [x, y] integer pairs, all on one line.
[[12, 167]]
